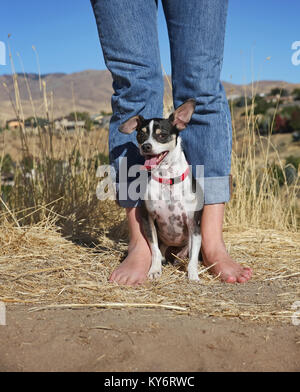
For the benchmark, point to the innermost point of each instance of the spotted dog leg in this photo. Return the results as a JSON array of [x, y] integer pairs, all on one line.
[[163, 249], [151, 235], [194, 247]]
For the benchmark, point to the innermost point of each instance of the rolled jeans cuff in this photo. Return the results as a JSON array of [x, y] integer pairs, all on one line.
[[217, 189]]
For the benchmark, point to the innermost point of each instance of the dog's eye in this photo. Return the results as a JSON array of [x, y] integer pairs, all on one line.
[[161, 135], [141, 136]]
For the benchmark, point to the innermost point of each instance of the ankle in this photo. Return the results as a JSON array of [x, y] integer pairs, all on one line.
[[212, 245], [137, 242]]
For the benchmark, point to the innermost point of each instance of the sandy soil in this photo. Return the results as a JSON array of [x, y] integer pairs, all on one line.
[[143, 340]]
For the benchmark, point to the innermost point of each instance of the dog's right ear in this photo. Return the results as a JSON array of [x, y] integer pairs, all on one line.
[[183, 114], [132, 124]]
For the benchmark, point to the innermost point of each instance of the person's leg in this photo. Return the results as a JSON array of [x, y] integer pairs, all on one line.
[[134, 269], [196, 32], [129, 39], [214, 249]]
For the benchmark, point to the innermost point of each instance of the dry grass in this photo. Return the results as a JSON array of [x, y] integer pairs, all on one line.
[[39, 267], [259, 199], [88, 144], [46, 215]]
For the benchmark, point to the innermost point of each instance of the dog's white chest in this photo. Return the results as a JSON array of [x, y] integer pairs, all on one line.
[[170, 211]]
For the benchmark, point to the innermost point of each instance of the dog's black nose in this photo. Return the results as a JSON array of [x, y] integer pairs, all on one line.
[[147, 147]]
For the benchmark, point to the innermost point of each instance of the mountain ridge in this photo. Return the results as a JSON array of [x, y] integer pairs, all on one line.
[[89, 90]]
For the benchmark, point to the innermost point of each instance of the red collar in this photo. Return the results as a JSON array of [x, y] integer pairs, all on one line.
[[171, 181]]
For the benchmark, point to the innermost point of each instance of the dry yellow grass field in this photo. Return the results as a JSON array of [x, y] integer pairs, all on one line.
[[40, 266], [59, 243]]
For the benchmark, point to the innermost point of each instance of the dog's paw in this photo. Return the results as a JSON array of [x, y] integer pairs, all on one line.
[[193, 277], [154, 273]]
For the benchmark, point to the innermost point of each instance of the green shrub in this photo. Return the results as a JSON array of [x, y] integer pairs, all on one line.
[[7, 165], [262, 106], [36, 122], [295, 119], [295, 161], [287, 111], [241, 102], [278, 91], [296, 94]]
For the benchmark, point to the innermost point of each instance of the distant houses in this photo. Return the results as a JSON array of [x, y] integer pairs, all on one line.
[[101, 120], [97, 118], [14, 124], [66, 123], [277, 97], [63, 124], [84, 121]]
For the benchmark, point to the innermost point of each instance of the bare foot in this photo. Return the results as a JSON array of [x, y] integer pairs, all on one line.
[[134, 269], [228, 270], [213, 247]]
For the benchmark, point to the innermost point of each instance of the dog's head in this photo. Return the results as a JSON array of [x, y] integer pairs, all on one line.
[[157, 137]]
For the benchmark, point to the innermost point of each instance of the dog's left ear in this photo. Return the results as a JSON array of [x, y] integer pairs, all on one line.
[[132, 124], [183, 114]]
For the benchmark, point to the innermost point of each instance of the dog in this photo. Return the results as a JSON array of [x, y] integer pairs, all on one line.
[[171, 209]]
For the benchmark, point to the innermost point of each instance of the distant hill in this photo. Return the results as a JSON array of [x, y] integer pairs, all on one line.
[[259, 87], [89, 91], [86, 91]]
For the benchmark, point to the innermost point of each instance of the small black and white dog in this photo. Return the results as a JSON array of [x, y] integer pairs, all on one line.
[[172, 209]]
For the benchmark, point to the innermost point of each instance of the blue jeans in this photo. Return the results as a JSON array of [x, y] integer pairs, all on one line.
[[129, 40]]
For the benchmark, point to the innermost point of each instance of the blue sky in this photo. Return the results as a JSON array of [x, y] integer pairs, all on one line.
[[65, 36]]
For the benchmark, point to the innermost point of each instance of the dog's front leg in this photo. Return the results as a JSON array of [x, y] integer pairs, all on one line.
[[151, 235], [156, 267], [194, 248]]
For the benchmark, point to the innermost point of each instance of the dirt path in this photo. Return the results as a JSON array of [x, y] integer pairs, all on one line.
[[143, 340]]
